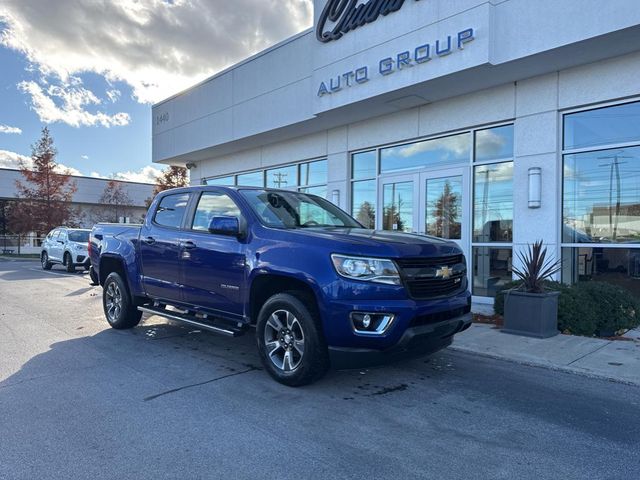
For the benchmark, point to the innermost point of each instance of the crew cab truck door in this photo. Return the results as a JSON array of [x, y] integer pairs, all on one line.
[[160, 247], [213, 264]]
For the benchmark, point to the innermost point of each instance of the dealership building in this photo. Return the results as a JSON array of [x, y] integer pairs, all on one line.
[[493, 123]]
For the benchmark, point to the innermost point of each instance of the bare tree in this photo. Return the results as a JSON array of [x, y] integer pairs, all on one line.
[[117, 200]]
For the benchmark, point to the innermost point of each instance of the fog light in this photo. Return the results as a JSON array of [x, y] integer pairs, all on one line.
[[371, 323]]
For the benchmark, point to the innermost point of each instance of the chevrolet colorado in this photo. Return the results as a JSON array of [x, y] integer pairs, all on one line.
[[321, 290]]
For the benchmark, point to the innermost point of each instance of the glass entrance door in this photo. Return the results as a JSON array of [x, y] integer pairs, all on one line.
[[429, 203], [444, 205], [399, 197]]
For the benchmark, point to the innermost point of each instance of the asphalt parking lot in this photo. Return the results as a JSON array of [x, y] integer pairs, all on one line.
[[79, 400]]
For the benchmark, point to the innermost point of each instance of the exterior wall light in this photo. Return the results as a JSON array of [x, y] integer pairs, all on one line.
[[535, 187], [335, 197]]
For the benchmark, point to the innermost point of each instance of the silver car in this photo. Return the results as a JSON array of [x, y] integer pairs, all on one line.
[[66, 246]]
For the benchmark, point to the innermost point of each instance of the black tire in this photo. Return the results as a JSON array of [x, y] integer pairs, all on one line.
[[119, 310], [68, 262], [44, 260], [301, 325]]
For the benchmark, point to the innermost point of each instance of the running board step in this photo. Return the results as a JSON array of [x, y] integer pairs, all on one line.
[[193, 321]]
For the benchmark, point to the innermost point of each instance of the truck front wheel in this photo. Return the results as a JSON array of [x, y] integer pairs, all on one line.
[[290, 341], [120, 311]]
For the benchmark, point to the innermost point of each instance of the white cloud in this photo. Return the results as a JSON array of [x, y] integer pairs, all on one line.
[[114, 95], [84, 157], [14, 160], [158, 47], [146, 174], [66, 103], [8, 129]]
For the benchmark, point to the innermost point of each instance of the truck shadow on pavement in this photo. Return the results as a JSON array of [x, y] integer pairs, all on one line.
[[170, 357]]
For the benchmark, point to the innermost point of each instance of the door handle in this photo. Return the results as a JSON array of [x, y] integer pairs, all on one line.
[[188, 245], [149, 240]]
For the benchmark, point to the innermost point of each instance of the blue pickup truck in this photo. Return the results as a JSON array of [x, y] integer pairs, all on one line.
[[320, 290]]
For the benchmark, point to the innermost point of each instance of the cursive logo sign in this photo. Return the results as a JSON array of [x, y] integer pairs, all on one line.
[[347, 15]]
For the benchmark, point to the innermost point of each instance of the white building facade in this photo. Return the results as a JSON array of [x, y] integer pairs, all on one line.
[[493, 123]]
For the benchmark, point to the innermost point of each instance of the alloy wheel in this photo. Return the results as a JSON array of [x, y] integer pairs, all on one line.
[[113, 301], [284, 340]]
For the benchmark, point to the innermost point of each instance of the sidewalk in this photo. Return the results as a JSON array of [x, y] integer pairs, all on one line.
[[615, 360]]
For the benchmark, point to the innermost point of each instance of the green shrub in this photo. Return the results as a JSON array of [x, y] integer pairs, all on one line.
[[588, 307]]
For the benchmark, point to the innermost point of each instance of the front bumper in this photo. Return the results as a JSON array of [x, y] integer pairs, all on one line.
[[416, 341]]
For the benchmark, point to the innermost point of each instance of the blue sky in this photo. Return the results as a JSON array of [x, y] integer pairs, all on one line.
[[91, 70]]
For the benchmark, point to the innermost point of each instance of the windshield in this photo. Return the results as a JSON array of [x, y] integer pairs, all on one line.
[[81, 236], [296, 210]]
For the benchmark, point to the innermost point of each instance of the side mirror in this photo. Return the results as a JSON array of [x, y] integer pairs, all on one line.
[[225, 226]]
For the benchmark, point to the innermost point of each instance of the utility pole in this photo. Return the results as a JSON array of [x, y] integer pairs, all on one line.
[[280, 179], [615, 167]]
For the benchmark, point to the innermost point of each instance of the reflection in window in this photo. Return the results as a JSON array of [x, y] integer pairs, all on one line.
[[444, 207], [363, 165], [320, 191], [494, 143], [251, 179], [313, 173], [493, 203], [453, 149], [619, 266], [491, 270], [283, 177], [363, 202], [221, 181], [602, 126], [398, 207], [171, 210], [602, 196], [213, 204]]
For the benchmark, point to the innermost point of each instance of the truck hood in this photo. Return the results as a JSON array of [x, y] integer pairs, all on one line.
[[378, 243]]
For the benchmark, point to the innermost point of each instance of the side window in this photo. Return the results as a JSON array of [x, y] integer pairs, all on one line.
[[213, 204], [171, 210], [63, 236], [52, 235]]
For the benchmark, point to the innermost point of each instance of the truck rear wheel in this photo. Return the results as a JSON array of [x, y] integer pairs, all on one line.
[[120, 311], [290, 341]]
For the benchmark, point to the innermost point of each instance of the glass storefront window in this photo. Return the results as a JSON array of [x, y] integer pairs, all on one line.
[[221, 181], [494, 143], [438, 151], [444, 207], [398, 207], [363, 165], [283, 177], [320, 191], [602, 126], [602, 196], [251, 179], [619, 266], [363, 202], [491, 270], [493, 203], [313, 173]]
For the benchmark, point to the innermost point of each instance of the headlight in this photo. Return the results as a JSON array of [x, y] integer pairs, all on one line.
[[81, 247], [377, 270]]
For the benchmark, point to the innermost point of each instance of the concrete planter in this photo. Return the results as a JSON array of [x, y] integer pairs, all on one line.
[[531, 314]]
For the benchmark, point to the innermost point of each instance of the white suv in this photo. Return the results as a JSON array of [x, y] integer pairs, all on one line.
[[67, 246]]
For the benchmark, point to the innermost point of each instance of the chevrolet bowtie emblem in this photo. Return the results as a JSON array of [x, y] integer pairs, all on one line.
[[444, 273]]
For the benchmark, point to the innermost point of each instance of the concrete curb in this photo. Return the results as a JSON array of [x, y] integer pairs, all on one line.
[[548, 366]]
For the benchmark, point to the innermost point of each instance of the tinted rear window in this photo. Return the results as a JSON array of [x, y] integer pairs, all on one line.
[[82, 237]]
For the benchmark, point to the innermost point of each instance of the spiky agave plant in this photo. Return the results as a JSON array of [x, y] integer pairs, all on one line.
[[535, 268]]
